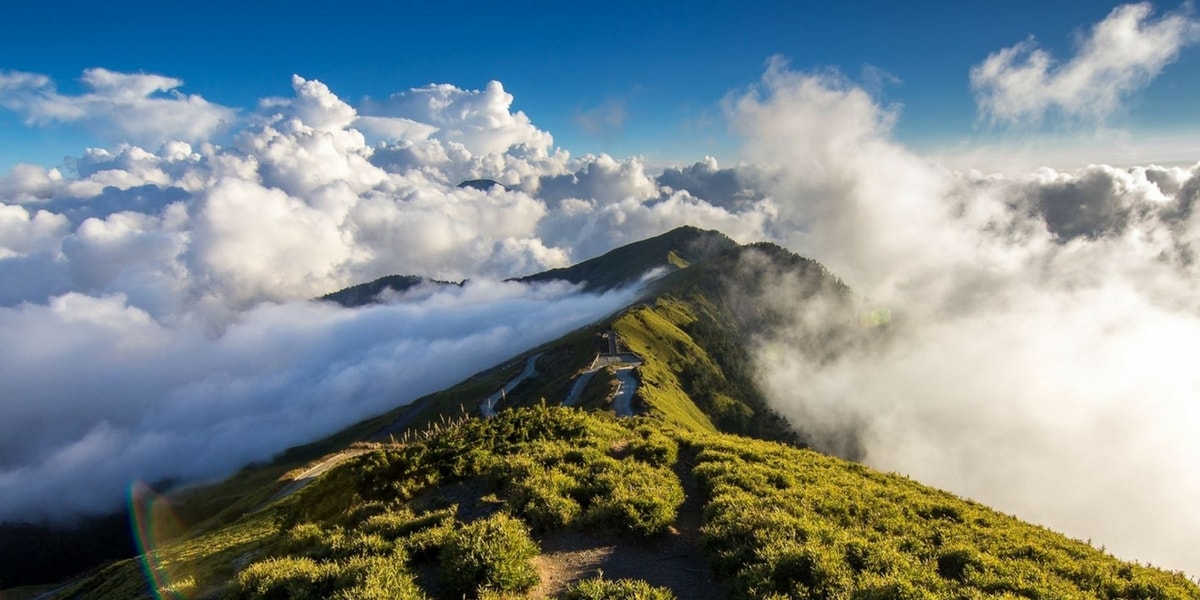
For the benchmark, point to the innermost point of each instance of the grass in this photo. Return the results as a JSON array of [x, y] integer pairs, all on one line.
[[599, 391], [785, 522], [598, 588], [198, 563], [663, 346], [367, 528], [457, 514]]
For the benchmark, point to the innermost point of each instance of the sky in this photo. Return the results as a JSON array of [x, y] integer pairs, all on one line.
[[1014, 183], [632, 78]]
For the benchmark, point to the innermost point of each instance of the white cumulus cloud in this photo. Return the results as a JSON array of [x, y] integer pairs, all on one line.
[[135, 107], [1121, 54], [480, 120]]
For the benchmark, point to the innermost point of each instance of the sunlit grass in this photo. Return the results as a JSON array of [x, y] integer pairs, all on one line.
[[795, 523]]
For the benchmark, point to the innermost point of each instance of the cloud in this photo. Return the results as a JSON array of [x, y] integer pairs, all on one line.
[[604, 202], [605, 119], [480, 120], [153, 399], [730, 188], [1121, 54], [1035, 358], [135, 107], [599, 177], [22, 232]]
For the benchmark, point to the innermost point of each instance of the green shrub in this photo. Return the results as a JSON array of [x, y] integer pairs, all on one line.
[[636, 497], [313, 541], [395, 524], [489, 554], [546, 502], [429, 541], [555, 485], [653, 447], [377, 578], [880, 588], [288, 578], [782, 522], [955, 563], [598, 588]]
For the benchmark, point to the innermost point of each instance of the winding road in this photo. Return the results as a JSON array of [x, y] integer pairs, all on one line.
[[487, 408], [623, 400]]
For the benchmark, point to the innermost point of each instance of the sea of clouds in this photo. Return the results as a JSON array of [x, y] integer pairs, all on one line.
[[155, 294]]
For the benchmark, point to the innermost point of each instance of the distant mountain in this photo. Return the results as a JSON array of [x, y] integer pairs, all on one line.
[[622, 266], [706, 493], [481, 184], [366, 293]]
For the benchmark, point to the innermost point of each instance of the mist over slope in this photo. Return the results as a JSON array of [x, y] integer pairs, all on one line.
[[1041, 332]]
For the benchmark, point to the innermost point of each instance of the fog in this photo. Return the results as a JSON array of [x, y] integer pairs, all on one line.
[[1043, 327]]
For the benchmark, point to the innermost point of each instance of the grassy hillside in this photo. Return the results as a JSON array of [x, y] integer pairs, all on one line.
[[481, 508], [697, 327]]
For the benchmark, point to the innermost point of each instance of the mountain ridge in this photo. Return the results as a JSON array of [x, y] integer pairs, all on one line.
[[616, 268]]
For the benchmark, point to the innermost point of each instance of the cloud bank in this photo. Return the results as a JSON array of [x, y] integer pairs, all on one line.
[[1042, 325], [112, 393]]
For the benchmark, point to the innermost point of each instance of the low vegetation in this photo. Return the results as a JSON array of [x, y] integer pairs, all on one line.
[[459, 515], [787, 523], [599, 588]]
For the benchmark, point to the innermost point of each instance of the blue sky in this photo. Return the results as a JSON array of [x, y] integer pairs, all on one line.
[[657, 70]]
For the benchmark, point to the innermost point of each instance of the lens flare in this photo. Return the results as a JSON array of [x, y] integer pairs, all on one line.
[[154, 524]]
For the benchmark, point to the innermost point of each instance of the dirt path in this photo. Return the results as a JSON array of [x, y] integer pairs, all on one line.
[[673, 561]]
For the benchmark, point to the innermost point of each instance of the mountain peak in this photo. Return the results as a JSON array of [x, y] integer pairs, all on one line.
[[674, 249], [367, 293], [482, 184]]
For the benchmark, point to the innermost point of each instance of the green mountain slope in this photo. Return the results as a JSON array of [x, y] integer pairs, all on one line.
[[696, 329], [490, 508], [707, 493]]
